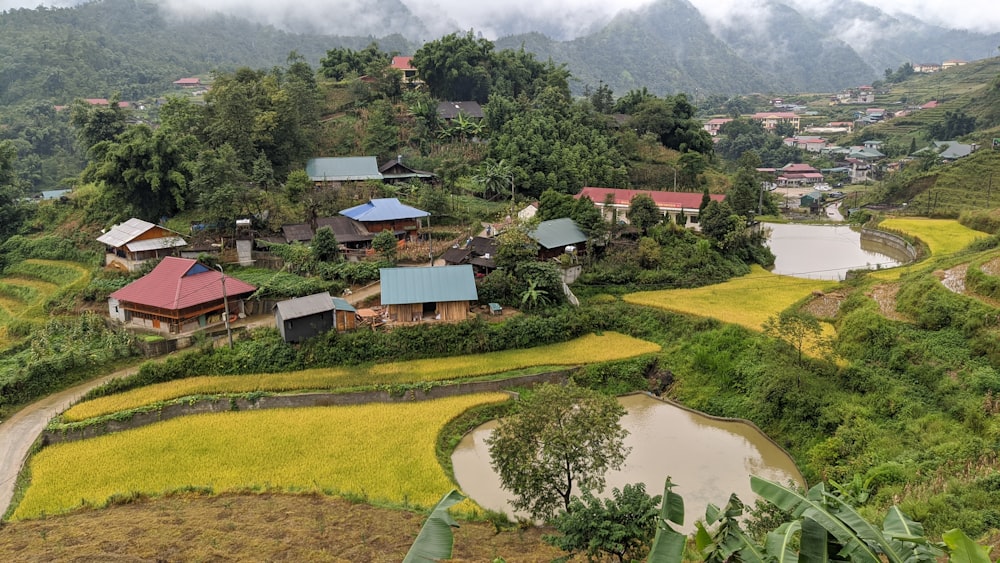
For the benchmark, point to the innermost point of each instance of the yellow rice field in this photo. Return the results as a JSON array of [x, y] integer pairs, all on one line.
[[747, 300], [379, 451], [943, 236], [586, 349]]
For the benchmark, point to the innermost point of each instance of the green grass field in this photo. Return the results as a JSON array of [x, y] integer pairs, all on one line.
[[584, 350], [379, 452]]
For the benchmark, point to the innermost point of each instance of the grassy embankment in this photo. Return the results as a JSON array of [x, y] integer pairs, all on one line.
[[27, 286], [588, 349]]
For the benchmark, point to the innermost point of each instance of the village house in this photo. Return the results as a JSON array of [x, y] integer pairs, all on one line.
[[558, 236], [448, 111], [334, 171], [302, 318], [395, 172], [179, 295], [134, 242], [479, 252], [797, 174], [678, 207], [188, 82], [771, 120], [388, 214], [715, 124], [806, 143], [442, 293], [405, 66]]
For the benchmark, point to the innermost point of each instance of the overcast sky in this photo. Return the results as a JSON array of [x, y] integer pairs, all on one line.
[[572, 16]]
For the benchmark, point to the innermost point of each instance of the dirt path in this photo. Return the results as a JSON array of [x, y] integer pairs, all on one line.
[[359, 295], [20, 431]]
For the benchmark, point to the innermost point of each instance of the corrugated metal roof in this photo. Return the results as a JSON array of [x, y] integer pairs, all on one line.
[[342, 305], [179, 283], [304, 306], [155, 244], [558, 232], [428, 285], [343, 169], [120, 234], [384, 209]]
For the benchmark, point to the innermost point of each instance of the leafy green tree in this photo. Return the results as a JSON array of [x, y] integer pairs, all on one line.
[[643, 213], [297, 185], [12, 210], [602, 98], [220, 186], [955, 124], [456, 67], [95, 124], [631, 101], [621, 526], [795, 328], [381, 131], [385, 244], [341, 63], [145, 173], [746, 197], [325, 247], [691, 165], [433, 200], [588, 217], [555, 205], [672, 121], [559, 438], [515, 247], [496, 178]]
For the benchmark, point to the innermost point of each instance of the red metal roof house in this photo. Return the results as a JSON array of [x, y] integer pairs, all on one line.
[[179, 295], [613, 203]]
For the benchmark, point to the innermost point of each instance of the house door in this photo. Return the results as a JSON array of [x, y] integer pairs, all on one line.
[[156, 324]]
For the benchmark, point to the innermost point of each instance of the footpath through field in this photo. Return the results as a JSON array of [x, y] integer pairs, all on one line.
[[20, 431]]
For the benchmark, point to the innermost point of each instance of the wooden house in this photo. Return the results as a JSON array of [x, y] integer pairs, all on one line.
[[387, 214], [302, 318], [395, 172], [439, 293], [179, 295], [130, 244]]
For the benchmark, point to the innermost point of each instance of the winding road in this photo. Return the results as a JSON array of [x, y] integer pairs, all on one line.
[[20, 431]]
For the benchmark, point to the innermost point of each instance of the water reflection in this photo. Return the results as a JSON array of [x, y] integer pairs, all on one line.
[[708, 459], [826, 252]]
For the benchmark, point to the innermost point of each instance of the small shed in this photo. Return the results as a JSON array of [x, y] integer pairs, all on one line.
[[345, 316], [441, 293], [302, 318], [811, 200]]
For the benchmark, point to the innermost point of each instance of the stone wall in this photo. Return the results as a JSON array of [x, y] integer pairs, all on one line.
[[222, 404], [893, 241]]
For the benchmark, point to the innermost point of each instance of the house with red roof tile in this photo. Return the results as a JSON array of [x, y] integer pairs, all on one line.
[[613, 204], [405, 65], [179, 295], [188, 82]]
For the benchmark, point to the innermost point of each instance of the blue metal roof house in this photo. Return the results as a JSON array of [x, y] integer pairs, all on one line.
[[387, 214], [342, 169], [439, 293]]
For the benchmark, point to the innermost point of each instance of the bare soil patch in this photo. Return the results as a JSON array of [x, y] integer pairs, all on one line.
[[885, 296], [953, 278], [992, 267], [252, 527], [825, 305]]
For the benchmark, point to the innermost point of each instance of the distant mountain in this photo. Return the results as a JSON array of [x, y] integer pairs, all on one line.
[[887, 41], [667, 47], [799, 54]]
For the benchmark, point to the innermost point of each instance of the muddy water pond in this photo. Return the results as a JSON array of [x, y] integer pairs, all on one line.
[[708, 459], [826, 252]]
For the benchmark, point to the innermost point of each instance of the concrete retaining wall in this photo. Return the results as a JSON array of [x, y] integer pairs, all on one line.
[[295, 401], [895, 242]]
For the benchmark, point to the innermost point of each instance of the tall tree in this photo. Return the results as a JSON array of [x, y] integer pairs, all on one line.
[[456, 67], [746, 196], [643, 213], [11, 206], [95, 123], [559, 439]]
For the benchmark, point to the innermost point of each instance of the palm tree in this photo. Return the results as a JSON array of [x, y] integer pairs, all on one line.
[[495, 177], [533, 297]]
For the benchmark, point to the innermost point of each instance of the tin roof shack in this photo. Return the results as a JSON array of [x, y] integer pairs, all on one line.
[[440, 293], [395, 172], [179, 295], [479, 251], [302, 318], [811, 201], [135, 241], [556, 235]]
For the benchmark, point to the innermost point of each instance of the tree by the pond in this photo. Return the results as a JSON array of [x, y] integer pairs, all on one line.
[[794, 328], [560, 441]]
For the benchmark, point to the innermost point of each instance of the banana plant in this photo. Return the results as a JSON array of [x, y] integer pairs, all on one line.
[[435, 540], [668, 543]]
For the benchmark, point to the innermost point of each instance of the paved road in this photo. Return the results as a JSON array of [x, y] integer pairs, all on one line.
[[20, 431]]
